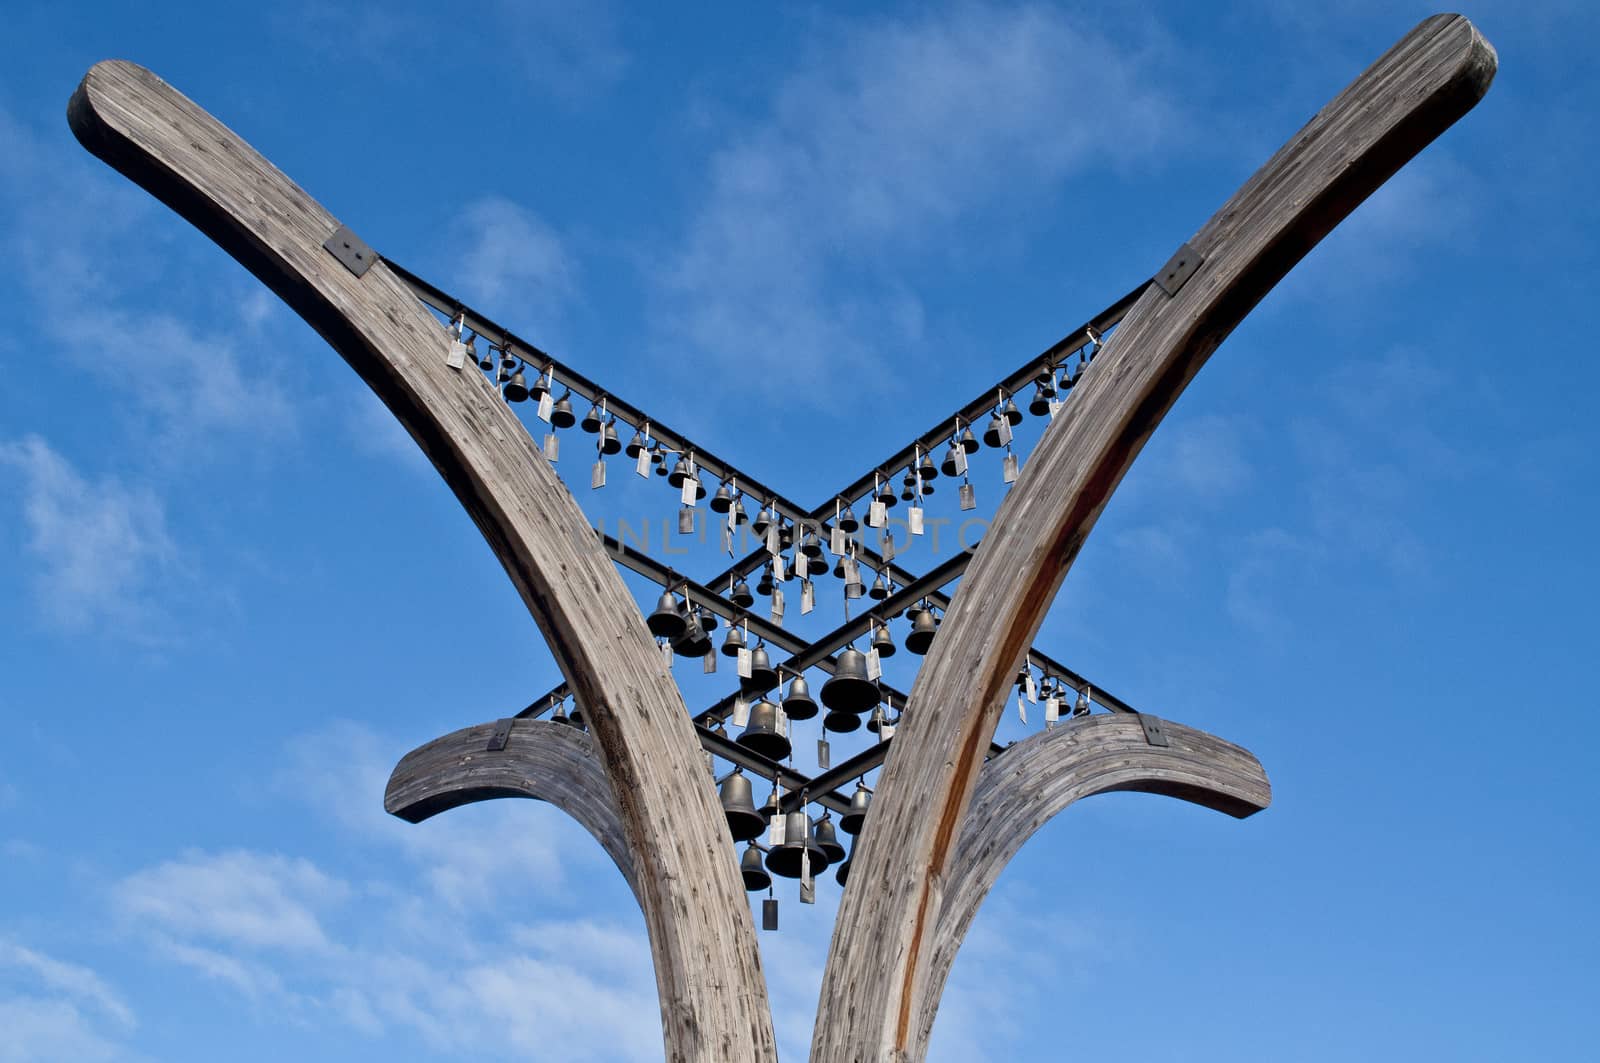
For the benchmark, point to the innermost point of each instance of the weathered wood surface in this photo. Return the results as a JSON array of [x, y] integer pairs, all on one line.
[[880, 961], [1036, 778], [541, 760], [708, 972]]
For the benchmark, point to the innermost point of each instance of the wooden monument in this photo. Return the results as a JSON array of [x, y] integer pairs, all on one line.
[[950, 808]]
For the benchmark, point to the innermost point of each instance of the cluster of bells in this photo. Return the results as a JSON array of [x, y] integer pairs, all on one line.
[[815, 838], [848, 694]]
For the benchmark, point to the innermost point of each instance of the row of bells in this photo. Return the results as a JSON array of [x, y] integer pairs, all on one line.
[[802, 834], [689, 632]]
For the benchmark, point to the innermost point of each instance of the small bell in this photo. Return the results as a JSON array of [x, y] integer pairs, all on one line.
[[784, 860], [1011, 413], [560, 715], [838, 568], [659, 459], [969, 442], [927, 470], [851, 822], [756, 878], [876, 721], [695, 641], [811, 546], [764, 584], [841, 722], [762, 522], [842, 876], [734, 642], [576, 716], [880, 589], [1082, 706], [541, 386], [739, 806], [882, 641], [886, 494], [609, 443], [908, 486], [762, 734], [923, 628], [722, 501], [948, 466], [992, 435], [1043, 391], [637, 445], [561, 416], [591, 421], [680, 472], [763, 677], [817, 565], [848, 689], [667, 621], [828, 841], [740, 516], [798, 704], [740, 595], [847, 521], [517, 387]]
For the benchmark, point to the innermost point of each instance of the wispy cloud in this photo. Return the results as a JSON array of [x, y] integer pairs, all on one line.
[[509, 262], [896, 136], [99, 545], [52, 1009]]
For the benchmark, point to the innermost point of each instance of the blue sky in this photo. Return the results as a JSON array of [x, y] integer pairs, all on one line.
[[1361, 546]]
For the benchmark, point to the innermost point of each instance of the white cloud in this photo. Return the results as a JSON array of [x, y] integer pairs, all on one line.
[[509, 262], [892, 139], [98, 544], [51, 1009]]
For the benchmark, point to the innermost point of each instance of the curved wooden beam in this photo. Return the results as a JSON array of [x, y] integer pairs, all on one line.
[[541, 760], [888, 918], [708, 970], [1036, 778]]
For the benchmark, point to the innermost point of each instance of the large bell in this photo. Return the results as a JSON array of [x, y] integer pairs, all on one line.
[[816, 566], [609, 443], [1011, 413], [852, 820], [886, 494], [762, 734], [561, 416], [848, 689], [923, 628], [880, 589], [722, 501], [949, 466], [741, 595], [695, 640], [810, 545], [734, 641], [927, 470], [847, 521], [763, 677], [751, 870], [517, 387], [637, 445], [799, 705], [667, 621], [991, 435], [680, 472], [969, 442], [739, 806], [784, 860], [841, 722], [828, 841], [762, 521], [882, 641]]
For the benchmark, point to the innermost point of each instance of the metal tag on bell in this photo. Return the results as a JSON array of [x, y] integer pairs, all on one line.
[[1055, 407], [836, 541], [690, 491], [969, 498], [886, 546], [1022, 708], [775, 835], [808, 887], [457, 357], [1005, 431], [741, 712], [1052, 710], [597, 477], [961, 461], [874, 664], [877, 514], [725, 539], [774, 541], [823, 755], [1030, 688], [914, 519], [769, 913], [1008, 469], [885, 732], [744, 663], [552, 446], [777, 605], [546, 404], [685, 520], [666, 654], [808, 597], [708, 663], [641, 464]]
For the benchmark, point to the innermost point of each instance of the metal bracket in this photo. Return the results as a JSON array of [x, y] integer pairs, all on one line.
[[350, 250], [1153, 731], [1179, 268], [502, 735]]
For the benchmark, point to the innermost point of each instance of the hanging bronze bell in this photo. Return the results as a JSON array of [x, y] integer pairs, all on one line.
[[734, 641], [695, 641], [561, 416], [609, 443], [876, 721], [908, 486], [828, 841], [756, 877], [764, 584], [667, 621], [816, 566], [658, 458], [739, 806], [560, 714], [882, 641], [847, 521], [739, 514], [764, 734], [842, 876], [798, 704], [838, 568], [784, 860], [848, 689], [852, 820], [991, 435], [811, 546], [575, 717], [1011, 413], [880, 589], [762, 522], [769, 807], [841, 722], [637, 445], [948, 466], [680, 472], [722, 501], [517, 387], [927, 470], [1043, 391], [969, 442], [741, 596], [923, 628], [886, 494], [541, 385], [763, 677], [591, 421]]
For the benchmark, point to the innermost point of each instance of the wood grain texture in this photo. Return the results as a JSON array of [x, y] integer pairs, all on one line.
[[1040, 776], [880, 960], [708, 972], [541, 760]]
